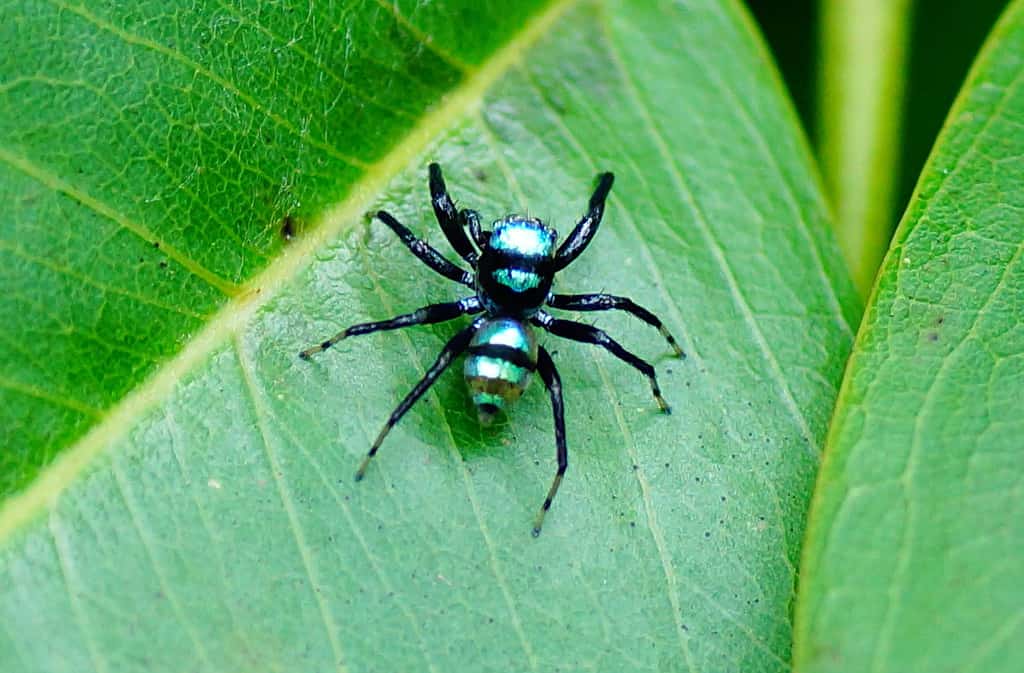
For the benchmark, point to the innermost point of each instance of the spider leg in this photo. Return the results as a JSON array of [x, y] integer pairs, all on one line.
[[471, 219], [547, 371], [587, 334], [426, 254], [581, 236], [606, 302], [451, 350], [449, 219], [421, 316]]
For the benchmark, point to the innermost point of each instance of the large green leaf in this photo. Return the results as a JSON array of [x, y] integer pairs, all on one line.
[[148, 157], [209, 521], [914, 559]]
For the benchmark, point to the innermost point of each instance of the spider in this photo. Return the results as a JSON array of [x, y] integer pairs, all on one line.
[[513, 266]]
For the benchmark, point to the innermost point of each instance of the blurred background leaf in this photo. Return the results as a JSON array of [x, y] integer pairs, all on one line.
[[943, 39]]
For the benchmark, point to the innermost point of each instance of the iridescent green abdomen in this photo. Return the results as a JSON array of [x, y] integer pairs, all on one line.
[[502, 356]]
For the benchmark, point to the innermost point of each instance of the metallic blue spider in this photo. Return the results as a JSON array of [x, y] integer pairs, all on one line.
[[513, 266]]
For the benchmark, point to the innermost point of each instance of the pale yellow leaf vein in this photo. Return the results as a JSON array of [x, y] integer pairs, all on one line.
[[158, 158]]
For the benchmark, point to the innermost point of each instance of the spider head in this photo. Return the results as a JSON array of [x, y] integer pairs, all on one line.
[[516, 267]]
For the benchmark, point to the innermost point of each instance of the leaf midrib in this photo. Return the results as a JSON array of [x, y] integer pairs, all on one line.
[[462, 101]]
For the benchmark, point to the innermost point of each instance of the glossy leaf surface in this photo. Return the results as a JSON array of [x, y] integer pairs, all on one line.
[[214, 511], [150, 157]]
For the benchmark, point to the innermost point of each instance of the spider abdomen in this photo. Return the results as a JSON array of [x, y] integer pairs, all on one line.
[[501, 358]]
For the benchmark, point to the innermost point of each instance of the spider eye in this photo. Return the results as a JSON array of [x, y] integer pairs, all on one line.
[[523, 237]]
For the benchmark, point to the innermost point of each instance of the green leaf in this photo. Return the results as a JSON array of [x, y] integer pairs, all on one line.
[[148, 159], [914, 559], [209, 520]]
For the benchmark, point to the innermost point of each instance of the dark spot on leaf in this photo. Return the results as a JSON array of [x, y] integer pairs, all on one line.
[[289, 228], [156, 244]]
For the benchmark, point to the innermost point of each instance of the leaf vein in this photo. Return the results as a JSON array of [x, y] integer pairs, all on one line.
[[161, 577], [56, 183], [714, 247], [425, 39], [199, 69], [67, 573], [248, 373]]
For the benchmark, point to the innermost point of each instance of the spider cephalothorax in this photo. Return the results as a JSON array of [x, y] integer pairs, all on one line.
[[514, 265]]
